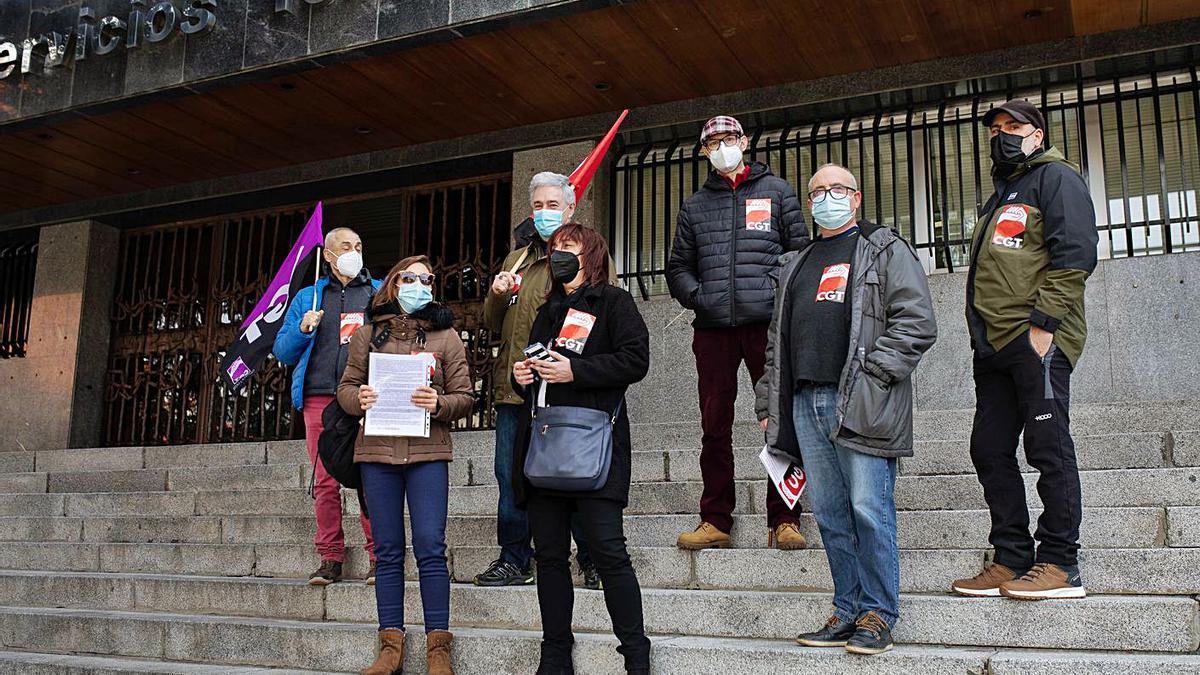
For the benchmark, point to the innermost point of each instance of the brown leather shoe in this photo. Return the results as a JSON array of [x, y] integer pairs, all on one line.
[[391, 653], [371, 574], [1045, 581], [986, 584], [786, 537], [437, 646], [705, 536], [329, 572]]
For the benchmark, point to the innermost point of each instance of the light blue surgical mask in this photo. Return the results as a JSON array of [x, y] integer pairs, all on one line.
[[414, 297], [833, 212], [547, 222]]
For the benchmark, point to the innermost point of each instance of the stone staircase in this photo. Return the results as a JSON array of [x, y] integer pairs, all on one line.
[[192, 559]]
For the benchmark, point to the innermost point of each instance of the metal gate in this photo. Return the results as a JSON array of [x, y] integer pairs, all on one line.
[[184, 289], [924, 169], [18, 264]]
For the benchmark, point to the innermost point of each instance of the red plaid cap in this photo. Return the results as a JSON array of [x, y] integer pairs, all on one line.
[[721, 124]]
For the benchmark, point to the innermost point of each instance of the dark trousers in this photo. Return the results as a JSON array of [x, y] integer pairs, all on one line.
[[512, 526], [600, 520], [719, 356], [1015, 391], [427, 488]]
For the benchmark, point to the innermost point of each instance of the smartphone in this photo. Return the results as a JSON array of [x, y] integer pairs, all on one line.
[[538, 352]]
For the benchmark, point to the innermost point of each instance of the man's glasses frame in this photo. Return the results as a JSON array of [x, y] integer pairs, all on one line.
[[730, 140], [838, 191]]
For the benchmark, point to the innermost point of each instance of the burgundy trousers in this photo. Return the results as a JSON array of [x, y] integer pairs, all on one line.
[[719, 356]]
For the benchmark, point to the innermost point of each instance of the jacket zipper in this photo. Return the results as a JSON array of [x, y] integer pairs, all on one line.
[[733, 261]]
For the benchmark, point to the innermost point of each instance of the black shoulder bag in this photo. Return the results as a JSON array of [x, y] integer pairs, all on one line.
[[335, 446]]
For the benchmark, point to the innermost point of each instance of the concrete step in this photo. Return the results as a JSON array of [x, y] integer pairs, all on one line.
[[1133, 623], [1168, 624], [1139, 527], [483, 651], [22, 482], [1184, 527], [1114, 571], [1121, 487], [1100, 488], [1135, 423], [769, 657], [33, 663]]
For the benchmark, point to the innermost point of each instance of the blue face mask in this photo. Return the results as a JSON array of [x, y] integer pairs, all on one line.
[[414, 297], [547, 221], [831, 213]]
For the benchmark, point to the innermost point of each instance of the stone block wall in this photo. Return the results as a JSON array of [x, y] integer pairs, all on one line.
[[54, 397]]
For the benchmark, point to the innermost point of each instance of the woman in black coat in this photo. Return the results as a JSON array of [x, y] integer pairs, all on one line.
[[599, 346]]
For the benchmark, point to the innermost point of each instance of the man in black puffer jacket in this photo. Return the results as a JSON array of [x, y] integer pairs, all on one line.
[[728, 240]]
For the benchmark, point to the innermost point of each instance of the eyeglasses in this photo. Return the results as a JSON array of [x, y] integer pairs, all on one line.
[[413, 277], [838, 191], [730, 140]]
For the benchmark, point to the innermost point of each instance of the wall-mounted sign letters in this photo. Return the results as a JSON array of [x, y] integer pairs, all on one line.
[[146, 23], [291, 6]]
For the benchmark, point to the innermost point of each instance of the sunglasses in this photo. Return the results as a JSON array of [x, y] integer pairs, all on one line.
[[413, 277]]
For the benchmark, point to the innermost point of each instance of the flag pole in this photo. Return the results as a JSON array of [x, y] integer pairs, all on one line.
[[316, 277]]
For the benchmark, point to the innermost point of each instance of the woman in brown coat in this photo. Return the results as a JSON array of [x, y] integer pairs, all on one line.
[[403, 319]]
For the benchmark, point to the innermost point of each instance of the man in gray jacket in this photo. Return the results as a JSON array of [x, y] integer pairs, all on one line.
[[852, 318]]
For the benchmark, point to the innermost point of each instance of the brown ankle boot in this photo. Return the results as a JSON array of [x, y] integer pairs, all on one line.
[[437, 645], [391, 653]]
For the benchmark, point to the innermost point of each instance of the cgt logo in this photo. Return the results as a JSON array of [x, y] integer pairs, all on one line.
[[1010, 227]]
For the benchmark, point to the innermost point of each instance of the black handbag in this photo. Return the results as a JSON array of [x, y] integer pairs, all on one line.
[[570, 448]]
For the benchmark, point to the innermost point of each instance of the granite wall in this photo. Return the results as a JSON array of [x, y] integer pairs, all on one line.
[[591, 210], [54, 397], [1143, 344]]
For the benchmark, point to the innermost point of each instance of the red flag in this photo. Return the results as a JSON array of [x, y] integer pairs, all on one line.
[[582, 175]]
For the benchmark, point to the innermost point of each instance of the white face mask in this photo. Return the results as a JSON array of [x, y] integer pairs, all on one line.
[[726, 158], [349, 264]]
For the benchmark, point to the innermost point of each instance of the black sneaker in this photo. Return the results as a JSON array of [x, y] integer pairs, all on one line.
[[591, 578], [872, 637], [329, 572], [835, 634], [502, 573]]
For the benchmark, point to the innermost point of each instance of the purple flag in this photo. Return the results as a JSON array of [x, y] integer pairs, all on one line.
[[247, 353]]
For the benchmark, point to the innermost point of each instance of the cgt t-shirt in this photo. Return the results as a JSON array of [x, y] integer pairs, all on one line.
[[819, 324]]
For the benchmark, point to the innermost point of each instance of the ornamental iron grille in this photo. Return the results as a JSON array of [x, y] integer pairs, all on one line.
[[184, 289], [18, 264]]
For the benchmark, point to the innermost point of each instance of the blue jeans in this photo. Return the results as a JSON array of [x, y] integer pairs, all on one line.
[[512, 524], [427, 486], [853, 501]]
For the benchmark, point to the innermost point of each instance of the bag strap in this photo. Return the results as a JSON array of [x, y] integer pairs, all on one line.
[[520, 259], [533, 406], [617, 411]]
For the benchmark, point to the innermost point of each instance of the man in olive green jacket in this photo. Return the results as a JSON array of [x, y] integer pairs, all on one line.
[[1033, 250], [517, 293]]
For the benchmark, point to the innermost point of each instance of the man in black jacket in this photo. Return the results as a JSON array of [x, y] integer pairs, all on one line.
[[1033, 249], [728, 240]]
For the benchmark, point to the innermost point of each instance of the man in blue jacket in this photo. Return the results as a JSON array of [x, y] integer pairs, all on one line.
[[316, 342]]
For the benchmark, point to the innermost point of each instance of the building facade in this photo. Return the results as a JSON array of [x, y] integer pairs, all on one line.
[[157, 159]]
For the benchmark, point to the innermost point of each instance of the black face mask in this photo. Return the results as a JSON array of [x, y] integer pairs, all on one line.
[[564, 265], [1007, 152]]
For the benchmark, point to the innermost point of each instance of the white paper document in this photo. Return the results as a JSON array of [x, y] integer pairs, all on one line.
[[395, 377], [788, 478]]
